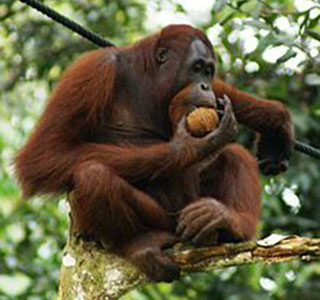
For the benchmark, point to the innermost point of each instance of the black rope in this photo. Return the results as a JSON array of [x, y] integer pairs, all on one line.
[[89, 35], [99, 41], [307, 149]]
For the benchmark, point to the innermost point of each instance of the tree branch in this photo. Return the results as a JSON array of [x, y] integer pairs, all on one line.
[[91, 273]]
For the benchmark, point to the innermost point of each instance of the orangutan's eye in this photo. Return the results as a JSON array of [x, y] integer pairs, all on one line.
[[209, 72], [162, 55], [198, 66]]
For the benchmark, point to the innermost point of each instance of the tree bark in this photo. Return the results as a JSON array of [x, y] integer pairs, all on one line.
[[90, 272]]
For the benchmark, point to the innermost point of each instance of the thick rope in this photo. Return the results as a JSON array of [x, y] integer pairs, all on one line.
[[87, 34], [307, 149], [99, 41]]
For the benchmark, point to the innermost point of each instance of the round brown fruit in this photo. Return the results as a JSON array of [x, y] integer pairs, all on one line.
[[201, 121]]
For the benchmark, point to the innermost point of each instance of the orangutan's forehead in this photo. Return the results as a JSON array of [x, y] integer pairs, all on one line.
[[199, 47]]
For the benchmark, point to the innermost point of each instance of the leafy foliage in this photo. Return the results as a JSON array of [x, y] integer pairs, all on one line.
[[267, 47]]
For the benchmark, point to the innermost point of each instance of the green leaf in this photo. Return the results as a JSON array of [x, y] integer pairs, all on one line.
[[314, 34], [315, 22], [266, 41], [289, 54], [305, 20], [315, 109], [240, 3], [180, 8], [219, 4], [226, 19]]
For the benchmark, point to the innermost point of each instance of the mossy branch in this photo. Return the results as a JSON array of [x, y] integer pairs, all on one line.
[[92, 273]]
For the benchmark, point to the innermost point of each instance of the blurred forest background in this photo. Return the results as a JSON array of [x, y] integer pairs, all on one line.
[[267, 47]]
